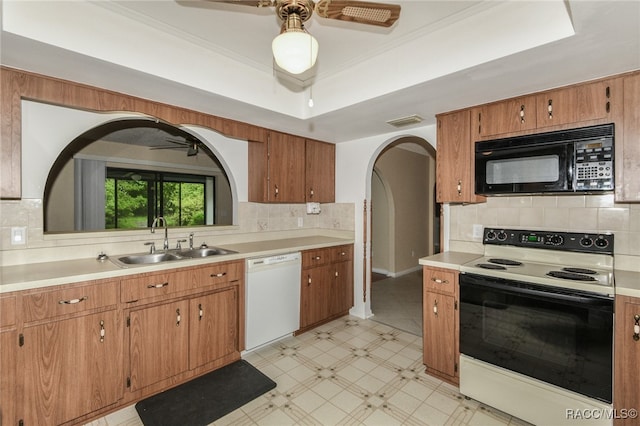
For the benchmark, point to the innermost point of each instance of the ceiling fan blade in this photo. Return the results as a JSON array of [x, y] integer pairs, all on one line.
[[381, 14], [252, 3]]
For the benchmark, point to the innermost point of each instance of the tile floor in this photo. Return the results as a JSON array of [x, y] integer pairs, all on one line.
[[397, 302], [349, 372]]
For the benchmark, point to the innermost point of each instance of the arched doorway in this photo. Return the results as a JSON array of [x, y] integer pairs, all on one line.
[[403, 229]]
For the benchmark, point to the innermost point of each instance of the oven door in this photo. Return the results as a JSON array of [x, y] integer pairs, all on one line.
[[554, 335], [523, 169]]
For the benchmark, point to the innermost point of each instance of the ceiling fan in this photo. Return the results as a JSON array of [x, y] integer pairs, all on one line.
[[190, 145], [295, 50]]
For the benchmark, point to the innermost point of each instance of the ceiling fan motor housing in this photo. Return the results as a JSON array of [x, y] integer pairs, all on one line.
[[302, 8]]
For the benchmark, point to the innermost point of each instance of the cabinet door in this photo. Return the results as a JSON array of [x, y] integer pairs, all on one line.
[[320, 172], [626, 392], [575, 104], [72, 367], [8, 348], [158, 343], [628, 146], [454, 159], [286, 168], [512, 115], [314, 303], [341, 292], [213, 326], [439, 340]]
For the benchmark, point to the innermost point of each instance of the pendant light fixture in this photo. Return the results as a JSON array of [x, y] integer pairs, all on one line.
[[294, 49]]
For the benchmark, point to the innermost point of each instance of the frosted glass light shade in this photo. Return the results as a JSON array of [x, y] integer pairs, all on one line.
[[295, 51]]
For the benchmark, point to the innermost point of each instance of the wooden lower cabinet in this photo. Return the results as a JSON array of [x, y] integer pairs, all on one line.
[[158, 343], [71, 367], [626, 389], [441, 323], [326, 285], [75, 352], [213, 326]]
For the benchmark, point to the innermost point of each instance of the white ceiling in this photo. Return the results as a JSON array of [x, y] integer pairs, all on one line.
[[216, 58]]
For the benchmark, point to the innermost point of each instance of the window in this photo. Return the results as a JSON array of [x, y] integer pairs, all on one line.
[[133, 198]]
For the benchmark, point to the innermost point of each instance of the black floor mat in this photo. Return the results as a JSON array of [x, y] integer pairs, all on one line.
[[207, 398]]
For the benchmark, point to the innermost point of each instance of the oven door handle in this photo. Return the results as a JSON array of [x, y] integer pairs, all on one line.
[[595, 299]]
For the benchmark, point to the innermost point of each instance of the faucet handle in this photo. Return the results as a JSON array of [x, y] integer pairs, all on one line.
[[153, 246], [178, 246]]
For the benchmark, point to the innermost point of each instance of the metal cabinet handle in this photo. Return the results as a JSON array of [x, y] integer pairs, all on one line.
[[72, 301], [200, 312], [308, 280], [522, 114], [158, 285], [311, 193], [102, 332], [178, 317], [550, 108], [435, 307], [277, 191], [218, 275], [439, 281], [459, 188], [636, 327]]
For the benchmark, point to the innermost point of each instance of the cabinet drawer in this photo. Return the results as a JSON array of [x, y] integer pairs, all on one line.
[[313, 258], [217, 273], [439, 280], [50, 304], [7, 311], [150, 285], [342, 253]]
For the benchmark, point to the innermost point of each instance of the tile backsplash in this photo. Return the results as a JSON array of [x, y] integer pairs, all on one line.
[[254, 221], [579, 213]]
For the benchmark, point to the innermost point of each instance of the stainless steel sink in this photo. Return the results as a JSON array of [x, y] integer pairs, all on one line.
[[204, 252], [167, 256], [138, 259]]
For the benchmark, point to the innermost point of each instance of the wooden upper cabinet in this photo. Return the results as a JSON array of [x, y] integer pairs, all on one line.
[[627, 159], [289, 169], [320, 160], [454, 159], [512, 115], [575, 104]]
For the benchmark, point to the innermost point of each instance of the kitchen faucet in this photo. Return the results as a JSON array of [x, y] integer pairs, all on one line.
[[160, 221]]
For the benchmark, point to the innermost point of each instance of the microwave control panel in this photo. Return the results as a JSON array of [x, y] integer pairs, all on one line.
[[594, 164]]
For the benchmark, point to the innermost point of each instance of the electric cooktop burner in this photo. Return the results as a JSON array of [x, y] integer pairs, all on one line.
[[570, 275], [490, 266], [580, 271], [507, 262]]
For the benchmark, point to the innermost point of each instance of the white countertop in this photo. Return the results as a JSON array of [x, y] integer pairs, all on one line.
[[37, 275], [627, 283], [449, 259]]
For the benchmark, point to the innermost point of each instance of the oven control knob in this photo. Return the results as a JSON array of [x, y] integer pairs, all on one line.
[[502, 236], [586, 242], [556, 240], [601, 242], [491, 235]]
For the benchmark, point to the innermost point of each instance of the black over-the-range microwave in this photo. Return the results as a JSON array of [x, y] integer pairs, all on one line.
[[566, 161]]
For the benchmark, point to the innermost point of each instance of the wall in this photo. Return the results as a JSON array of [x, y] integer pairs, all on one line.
[[47, 129], [354, 168], [579, 213]]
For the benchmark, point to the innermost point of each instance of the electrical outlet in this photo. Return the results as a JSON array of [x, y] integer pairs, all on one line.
[[300, 223]]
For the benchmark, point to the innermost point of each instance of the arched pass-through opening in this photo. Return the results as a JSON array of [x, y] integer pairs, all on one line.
[[402, 186], [123, 173]]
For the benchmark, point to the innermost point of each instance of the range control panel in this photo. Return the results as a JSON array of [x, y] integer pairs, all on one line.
[[550, 240]]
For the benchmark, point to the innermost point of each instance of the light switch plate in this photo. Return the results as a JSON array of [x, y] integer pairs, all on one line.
[[477, 232], [18, 235]]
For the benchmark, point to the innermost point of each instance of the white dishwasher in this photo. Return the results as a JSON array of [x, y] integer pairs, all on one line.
[[272, 298]]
